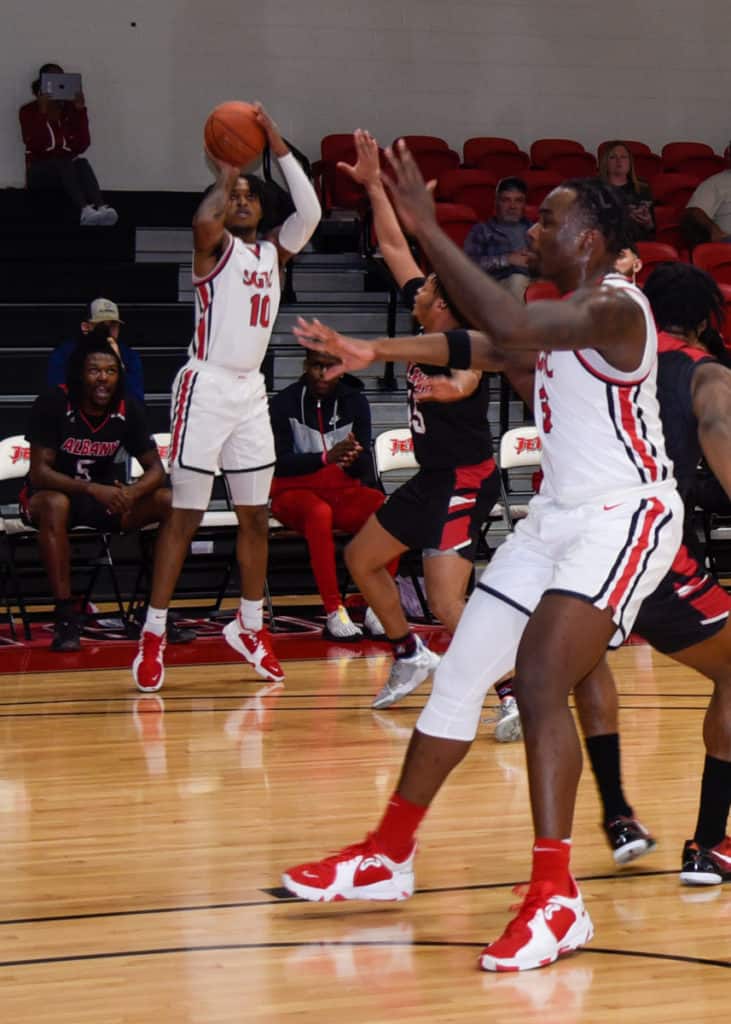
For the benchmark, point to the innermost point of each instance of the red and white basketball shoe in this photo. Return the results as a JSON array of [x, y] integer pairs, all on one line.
[[359, 872], [148, 668], [256, 647], [546, 926]]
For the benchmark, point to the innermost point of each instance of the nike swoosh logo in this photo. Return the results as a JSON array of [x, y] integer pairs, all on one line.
[[608, 508]]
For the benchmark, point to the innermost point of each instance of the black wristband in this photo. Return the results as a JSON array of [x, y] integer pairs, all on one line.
[[460, 349]]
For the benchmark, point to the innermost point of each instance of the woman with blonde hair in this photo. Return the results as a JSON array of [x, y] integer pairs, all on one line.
[[617, 168]]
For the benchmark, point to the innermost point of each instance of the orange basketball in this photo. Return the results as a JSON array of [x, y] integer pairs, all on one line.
[[233, 134]]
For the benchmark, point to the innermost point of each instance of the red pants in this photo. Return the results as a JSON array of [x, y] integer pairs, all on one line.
[[315, 514]]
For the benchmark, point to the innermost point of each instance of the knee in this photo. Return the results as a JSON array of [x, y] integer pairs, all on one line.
[[318, 521], [446, 607], [50, 510], [254, 520]]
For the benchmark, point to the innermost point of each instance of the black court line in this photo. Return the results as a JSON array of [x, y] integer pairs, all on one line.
[[323, 945], [280, 896]]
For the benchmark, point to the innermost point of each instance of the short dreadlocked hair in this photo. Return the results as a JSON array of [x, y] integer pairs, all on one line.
[[448, 300], [602, 208], [683, 296]]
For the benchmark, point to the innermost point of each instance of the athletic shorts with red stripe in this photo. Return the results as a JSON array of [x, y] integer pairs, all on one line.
[[440, 510], [688, 607]]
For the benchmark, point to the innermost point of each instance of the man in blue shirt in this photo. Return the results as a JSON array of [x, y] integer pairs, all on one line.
[[500, 245]]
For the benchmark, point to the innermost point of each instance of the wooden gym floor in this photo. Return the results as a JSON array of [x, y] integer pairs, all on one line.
[[143, 840]]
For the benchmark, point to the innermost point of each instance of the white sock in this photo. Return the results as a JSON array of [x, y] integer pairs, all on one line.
[[156, 620], [251, 613]]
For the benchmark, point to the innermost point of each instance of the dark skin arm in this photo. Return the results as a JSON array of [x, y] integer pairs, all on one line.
[[209, 232], [599, 318], [700, 217], [118, 498], [711, 393]]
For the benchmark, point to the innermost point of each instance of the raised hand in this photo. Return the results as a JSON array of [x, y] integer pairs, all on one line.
[[352, 353], [411, 197], [278, 145], [222, 170], [367, 168]]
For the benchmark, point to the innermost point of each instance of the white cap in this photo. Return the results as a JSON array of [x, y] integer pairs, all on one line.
[[104, 311]]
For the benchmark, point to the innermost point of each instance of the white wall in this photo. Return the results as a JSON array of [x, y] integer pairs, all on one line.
[[655, 70]]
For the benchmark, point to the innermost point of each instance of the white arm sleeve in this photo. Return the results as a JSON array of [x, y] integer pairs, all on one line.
[[298, 227]]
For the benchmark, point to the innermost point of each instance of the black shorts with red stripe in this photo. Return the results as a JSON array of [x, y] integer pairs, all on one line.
[[443, 509], [687, 608]]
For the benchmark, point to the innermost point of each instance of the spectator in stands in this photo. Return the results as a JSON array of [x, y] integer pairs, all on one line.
[[628, 263], [103, 323], [500, 245], [75, 434], [617, 168], [708, 213], [56, 133], [322, 434]]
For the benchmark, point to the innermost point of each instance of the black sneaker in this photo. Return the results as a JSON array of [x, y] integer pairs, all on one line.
[[66, 635], [706, 866], [178, 635], [628, 839]]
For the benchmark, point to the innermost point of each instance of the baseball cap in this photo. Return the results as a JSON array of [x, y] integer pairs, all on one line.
[[104, 310]]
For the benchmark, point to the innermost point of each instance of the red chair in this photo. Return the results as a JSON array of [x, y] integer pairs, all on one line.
[[337, 188], [700, 167], [531, 212], [418, 143], [542, 149], [726, 326], [504, 165], [433, 163], [667, 229], [538, 290], [539, 184], [715, 259], [652, 253], [572, 165], [674, 152], [673, 190], [647, 166], [468, 187], [456, 221], [635, 148], [481, 145]]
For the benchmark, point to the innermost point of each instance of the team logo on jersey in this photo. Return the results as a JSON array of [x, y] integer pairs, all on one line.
[[83, 446], [258, 278], [543, 363]]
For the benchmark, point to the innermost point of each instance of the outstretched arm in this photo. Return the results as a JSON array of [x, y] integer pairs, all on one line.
[[209, 232], [712, 407], [391, 239], [295, 233]]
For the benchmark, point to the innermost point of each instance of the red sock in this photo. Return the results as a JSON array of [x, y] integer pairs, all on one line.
[[396, 832], [551, 864]]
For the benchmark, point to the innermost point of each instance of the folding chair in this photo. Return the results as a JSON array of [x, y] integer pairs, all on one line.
[[393, 453], [520, 449]]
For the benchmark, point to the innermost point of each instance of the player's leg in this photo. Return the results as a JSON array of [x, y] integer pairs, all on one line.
[[381, 867], [49, 511], [597, 705], [446, 575]]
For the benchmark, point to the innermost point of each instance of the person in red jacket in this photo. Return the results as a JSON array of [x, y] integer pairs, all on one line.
[[55, 134]]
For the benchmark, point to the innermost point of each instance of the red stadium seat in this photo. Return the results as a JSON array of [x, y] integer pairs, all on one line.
[[456, 221], [674, 152], [336, 187], [504, 165], [542, 149], [572, 165], [673, 189], [539, 184], [652, 253], [667, 228], [726, 326], [418, 143], [715, 259], [434, 162], [538, 290], [635, 148], [481, 145], [647, 166], [700, 167], [468, 187]]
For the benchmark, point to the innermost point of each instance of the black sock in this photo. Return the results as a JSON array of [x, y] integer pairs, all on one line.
[[404, 646], [715, 800], [65, 610], [505, 689], [603, 753]]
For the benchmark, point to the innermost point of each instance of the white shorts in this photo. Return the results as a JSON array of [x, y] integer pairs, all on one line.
[[612, 554], [220, 421]]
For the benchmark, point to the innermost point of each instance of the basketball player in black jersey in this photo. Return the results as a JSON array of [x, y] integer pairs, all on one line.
[[440, 510], [75, 433]]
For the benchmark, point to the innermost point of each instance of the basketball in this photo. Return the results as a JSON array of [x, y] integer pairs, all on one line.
[[233, 134]]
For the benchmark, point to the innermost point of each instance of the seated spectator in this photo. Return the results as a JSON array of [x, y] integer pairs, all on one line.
[[500, 245], [617, 168], [708, 213], [628, 263], [103, 323], [322, 433], [56, 133], [75, 433]]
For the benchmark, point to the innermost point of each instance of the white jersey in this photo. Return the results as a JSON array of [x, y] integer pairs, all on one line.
[[236, 306], [600, 428]]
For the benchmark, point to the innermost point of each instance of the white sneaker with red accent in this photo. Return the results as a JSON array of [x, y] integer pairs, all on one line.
[[359, 872], [256, 647], [546, 927], [148, 668]]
